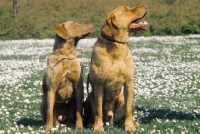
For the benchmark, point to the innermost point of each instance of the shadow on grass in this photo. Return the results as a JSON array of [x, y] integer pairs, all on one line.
[[30, 122], [151, 113]]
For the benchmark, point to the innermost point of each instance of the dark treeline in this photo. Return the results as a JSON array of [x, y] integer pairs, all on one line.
[[39, 18]]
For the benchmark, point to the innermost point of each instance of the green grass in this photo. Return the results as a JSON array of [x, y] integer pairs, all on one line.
[[167, 85], [38, 19]]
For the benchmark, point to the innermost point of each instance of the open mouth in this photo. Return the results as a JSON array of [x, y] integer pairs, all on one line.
[[137, 25]]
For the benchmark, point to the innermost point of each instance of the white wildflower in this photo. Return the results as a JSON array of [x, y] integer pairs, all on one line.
[[21, 126], [8, 132], [107, 123], [54, 129], [173, 120], [3, 107], [153, 131], [13, 128], [30, 128], [159, 121], [26, 100]]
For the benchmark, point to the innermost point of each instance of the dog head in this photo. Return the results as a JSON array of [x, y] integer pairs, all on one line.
[[70, 33], [71, 29], [123, 20]]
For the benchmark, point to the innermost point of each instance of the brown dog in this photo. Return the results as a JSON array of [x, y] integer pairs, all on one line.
[[112, 65], [62, 82]]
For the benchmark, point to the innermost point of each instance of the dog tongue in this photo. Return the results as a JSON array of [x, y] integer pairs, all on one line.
[[139, 25]]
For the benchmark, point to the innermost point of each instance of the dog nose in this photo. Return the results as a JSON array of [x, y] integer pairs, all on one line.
[[145, 6], [91, 26]]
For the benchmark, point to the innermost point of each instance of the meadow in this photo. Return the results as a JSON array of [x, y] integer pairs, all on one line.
[[166, 84]]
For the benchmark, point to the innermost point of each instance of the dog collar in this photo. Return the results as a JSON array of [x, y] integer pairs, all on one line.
[[112, 40]]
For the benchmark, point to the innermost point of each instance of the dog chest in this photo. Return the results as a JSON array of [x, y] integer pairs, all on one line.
[[64, 92], [119, 70], [112, 89]]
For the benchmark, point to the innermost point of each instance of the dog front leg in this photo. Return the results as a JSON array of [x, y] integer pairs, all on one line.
[[98, 100], [128, 96], [79, 103], [50, 106], [79, 106]]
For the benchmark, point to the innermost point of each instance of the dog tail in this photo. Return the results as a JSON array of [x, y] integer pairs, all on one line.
[[82, 87], [88, 82]]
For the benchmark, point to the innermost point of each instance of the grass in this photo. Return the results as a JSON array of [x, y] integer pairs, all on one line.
[[167, 84], [166, 17]]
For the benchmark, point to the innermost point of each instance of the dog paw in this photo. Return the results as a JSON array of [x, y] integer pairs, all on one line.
[[79, 126], [98, 127], [48, 128], [130, 128]]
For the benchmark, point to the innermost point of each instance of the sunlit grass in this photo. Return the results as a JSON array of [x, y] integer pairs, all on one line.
[[167, 84]]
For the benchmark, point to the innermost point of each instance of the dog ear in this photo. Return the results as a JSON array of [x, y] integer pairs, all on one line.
[[110, 26], [62, 31]]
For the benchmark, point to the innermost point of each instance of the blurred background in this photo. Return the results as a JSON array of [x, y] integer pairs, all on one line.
[[37, 19]]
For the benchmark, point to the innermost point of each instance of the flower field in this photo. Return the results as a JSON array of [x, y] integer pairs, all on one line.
[[166, 84]]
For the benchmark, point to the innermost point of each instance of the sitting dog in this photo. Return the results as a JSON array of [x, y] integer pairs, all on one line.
[[112, 67], [62, 82]]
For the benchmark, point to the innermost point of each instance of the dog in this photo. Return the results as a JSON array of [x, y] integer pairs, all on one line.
[[62, 99], [112, 66]]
